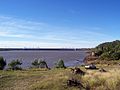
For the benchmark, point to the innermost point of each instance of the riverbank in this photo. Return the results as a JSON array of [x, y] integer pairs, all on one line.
[[89, 59], [56, 79]]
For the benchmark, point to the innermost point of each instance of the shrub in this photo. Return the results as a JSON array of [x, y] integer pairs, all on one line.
[[35, 63], [43, 64], [116, 55], [60, 64], [105, 56], [14, 64], [39, 63], [2, 63]]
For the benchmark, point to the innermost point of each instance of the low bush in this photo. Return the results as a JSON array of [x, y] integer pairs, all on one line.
[[2, 63], [14, 65], [60, 64]]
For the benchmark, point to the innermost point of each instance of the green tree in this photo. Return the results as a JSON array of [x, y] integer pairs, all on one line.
[[60, 64], [39, 63], [35, 63], [14, 64], [43, 64], [2, 63]]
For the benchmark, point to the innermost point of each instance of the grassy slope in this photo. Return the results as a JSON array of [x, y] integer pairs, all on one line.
[[34, 79], [55, 79]]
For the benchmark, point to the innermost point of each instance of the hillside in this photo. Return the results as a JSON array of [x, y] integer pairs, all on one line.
[[105, 53], [108, 50]]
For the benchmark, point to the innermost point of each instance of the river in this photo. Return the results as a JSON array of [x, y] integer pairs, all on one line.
[[71, 58]]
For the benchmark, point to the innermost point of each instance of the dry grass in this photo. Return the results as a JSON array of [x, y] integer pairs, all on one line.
[[55, 79], [109, 80]]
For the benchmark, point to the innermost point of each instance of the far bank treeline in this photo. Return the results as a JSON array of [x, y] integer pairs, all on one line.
[[108, 51]]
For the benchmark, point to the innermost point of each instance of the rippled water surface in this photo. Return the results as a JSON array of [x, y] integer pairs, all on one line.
[[71, 58]]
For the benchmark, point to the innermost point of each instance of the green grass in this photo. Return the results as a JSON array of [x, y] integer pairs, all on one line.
[[55, 79]]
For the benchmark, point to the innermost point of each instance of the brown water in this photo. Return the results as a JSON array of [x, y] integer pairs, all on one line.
[[51, 57]]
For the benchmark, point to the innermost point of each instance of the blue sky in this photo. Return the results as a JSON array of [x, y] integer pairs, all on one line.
[[58, 23]]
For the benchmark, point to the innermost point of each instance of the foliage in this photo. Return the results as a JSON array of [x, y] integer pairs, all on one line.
[[108, 50], [35, 63], [39, 63], [2, 63], [105, 56], [60, 64], [43, 64], [14, 64]]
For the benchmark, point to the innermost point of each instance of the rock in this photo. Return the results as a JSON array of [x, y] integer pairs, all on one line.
[[102, 70], [77, 71], [92, 66], [74, 82]]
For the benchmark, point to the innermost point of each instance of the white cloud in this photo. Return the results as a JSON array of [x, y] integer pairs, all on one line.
[[19, 33], [30, 44], [9, 34]]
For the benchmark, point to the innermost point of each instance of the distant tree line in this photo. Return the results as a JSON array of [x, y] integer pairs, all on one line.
[[37, 63], [108, 50]]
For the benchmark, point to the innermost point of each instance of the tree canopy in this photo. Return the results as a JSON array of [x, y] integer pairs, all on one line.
[[108, 50]]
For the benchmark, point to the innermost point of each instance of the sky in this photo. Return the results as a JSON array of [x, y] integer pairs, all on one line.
[[58, 23]]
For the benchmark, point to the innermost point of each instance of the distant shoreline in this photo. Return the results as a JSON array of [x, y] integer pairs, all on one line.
[[45, 49]]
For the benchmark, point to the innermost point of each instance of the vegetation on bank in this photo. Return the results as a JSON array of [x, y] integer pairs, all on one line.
[[2, 63], [42, 78], [37, 63], [56, 79], [108, 51], [60, 64], [14, 65]]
